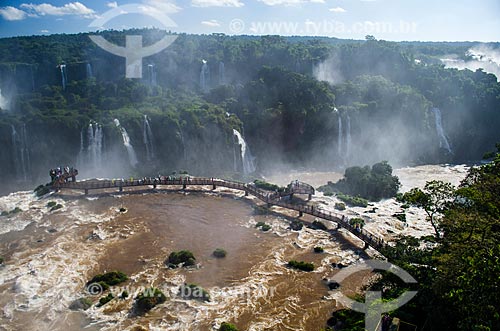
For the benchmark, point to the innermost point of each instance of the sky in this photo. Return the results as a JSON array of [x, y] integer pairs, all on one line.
[[398, 20]]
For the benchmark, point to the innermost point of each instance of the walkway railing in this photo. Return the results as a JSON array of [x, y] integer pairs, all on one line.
[[271, 198]]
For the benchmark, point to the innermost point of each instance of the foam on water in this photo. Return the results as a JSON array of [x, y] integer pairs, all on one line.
[[33, 210], [381, 222], [47, 278]]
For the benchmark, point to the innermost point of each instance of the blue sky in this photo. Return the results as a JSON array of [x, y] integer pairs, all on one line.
[[439, 20]]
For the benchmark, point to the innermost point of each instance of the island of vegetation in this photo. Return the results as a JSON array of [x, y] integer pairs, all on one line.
[[263, 226], [227, 327], [219, 253], [364, 183], [193, 291], [108, 279], [148, 299], [184, 257], [301, 265]]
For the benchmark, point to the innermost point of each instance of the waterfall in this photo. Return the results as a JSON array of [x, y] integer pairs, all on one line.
[[132, 157], [222, 73], [152, 75], [181, 137], [339, 137], [4, 104], [21, 152], [94, 145], [348, 137], [246, 156], [64, 77], [204, 76], [90, 157], [89, 71], [443, 141], [94, 137], [80, 153], [235, 160], [147, 136]]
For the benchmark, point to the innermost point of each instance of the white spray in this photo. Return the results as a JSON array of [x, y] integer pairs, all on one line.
[[246, 156], [132, 157], [148, 139], [443, 141]]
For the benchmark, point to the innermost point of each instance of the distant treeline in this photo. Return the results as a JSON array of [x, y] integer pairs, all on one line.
[[377, 105]]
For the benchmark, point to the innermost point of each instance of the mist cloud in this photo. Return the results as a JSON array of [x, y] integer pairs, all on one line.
[[480, 57], [329, 71]]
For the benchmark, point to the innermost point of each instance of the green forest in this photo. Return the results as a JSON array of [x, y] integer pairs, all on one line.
[[381, 104]]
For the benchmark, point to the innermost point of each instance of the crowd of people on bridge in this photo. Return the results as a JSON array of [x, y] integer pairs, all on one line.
[[63, 174]]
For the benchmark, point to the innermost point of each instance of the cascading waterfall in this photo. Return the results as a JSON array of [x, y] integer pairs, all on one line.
[[21, 152], [181, 137], [80, 153], [148, 139], [132, 157], [64, 77], [222, 73], [246, 156], [89, 70], [339, 137], [443, 140], [204, 76], [152, 75], [4, 104], [90, 158], [348, 136], [95, 137], [235, 159]]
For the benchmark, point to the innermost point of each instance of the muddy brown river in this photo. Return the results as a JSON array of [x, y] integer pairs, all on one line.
[[48, 263]]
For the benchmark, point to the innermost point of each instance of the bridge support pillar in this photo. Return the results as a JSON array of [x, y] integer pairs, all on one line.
[[291, 196], [269, 205], [214, 187], [86, 191], [183, 186], [121, 189], [301, 214], [366, 246], [154, 186], [309, 197], [246, 193]]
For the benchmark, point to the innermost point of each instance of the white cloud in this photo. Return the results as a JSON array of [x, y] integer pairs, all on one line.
[[337, 10], [211, 23], [163, 6], [217, 3], [113, 4], [44, 31], [12, 14], [289, 2], [72, 8]]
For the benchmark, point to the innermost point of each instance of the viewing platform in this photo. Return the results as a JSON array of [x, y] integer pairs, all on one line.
[[271, 198]]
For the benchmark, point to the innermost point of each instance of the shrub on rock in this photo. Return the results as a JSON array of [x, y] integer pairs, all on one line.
[[181, 257]]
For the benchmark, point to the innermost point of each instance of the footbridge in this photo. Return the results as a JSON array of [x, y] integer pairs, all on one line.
[[271, 198]]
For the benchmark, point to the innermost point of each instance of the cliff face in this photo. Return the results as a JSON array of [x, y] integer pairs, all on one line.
[[31, 149]]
